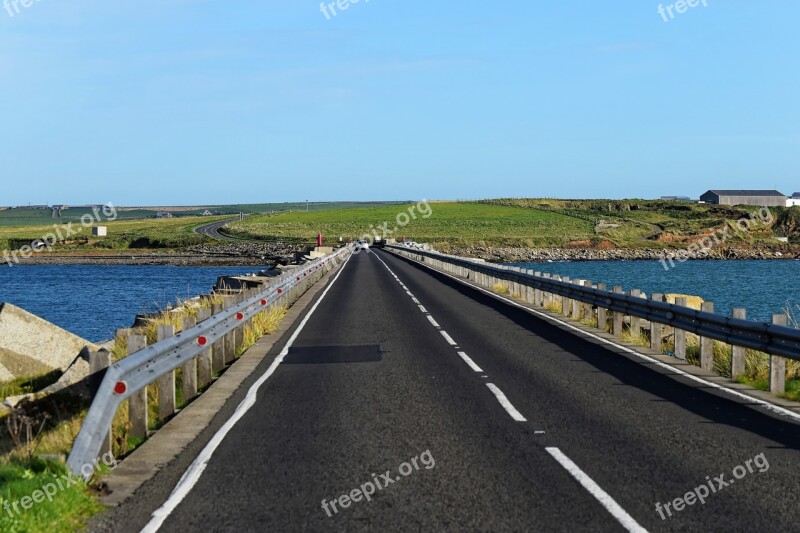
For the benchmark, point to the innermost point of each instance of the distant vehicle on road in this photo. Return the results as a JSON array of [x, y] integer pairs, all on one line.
[[362, 245]]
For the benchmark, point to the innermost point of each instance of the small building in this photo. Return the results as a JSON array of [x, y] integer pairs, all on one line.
[[100, 231], [793, 200], [676, 198], [207, 213], [762, 198], [163, 214]]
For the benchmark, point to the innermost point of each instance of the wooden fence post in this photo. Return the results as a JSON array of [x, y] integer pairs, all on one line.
[[617, 318], [137, 404], [204, 365], [602, 315], [189, 381], [218, 350], [679, 334], [566, 302], [737, 352], [166, 383], [636, 322], [777, 365], [588, 310], [656, 329], [706, 343]]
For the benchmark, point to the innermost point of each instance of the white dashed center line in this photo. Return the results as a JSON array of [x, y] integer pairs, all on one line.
[[510, 409]]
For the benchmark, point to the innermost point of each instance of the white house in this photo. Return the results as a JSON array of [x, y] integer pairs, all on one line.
[[793, 200], [100, 231]]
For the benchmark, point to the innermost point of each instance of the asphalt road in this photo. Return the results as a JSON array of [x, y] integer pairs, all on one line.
[[531, 428], [212, 230]]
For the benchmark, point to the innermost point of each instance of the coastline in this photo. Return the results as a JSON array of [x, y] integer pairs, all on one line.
[[234, 254], [505, 254]]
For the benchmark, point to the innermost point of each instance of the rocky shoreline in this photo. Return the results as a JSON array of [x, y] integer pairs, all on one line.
[[544, 255], [254, 254], [229, 254]]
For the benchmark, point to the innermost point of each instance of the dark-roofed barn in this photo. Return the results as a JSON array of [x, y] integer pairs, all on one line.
[[742, 197]]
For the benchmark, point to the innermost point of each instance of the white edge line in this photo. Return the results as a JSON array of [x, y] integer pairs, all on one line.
[[432, 321], [422, 308], [448, 338], [769, 406], [510, 409], [594, 489], [470, 362], [195, 470]]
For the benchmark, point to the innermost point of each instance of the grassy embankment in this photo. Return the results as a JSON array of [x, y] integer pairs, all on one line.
[[23, 471], [449, 223], [151, 234], [526, 223]]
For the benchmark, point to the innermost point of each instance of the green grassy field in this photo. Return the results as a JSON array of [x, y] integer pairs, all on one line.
[[449, 222], [122, 234], [527, 223], [26, 216], [501, 222]]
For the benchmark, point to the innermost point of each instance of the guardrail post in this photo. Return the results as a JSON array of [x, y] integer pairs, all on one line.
[[656, 329], [588, 313], [218, 350], [204, 366], [547, 297], [98, 363], [737, 352], [777, 365], [636, 322], [537, 293], [576, 304], [229, 340], [528, 289], [189, 369], [166, 383], [679, 334], [706, 343], [239, 343], [602, 316], [566, 303], [617, 318], [137, 404]]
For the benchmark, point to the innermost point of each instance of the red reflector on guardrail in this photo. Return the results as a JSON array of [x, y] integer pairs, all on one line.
[[263, 302], [202, 341], [298, 278], [239, 316], [280, 291], [120, 387]]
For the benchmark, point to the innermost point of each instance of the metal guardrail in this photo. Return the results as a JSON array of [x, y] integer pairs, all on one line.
[[772, 339], [131, 374]]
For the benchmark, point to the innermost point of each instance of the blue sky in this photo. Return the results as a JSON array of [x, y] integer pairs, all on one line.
[[192, 101]]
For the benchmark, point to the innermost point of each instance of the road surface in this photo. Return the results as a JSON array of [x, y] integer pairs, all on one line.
[[469, 414], [212, 230]]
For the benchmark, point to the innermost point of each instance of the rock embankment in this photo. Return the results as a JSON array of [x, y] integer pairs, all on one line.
[[228, 254], [535, 255]]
